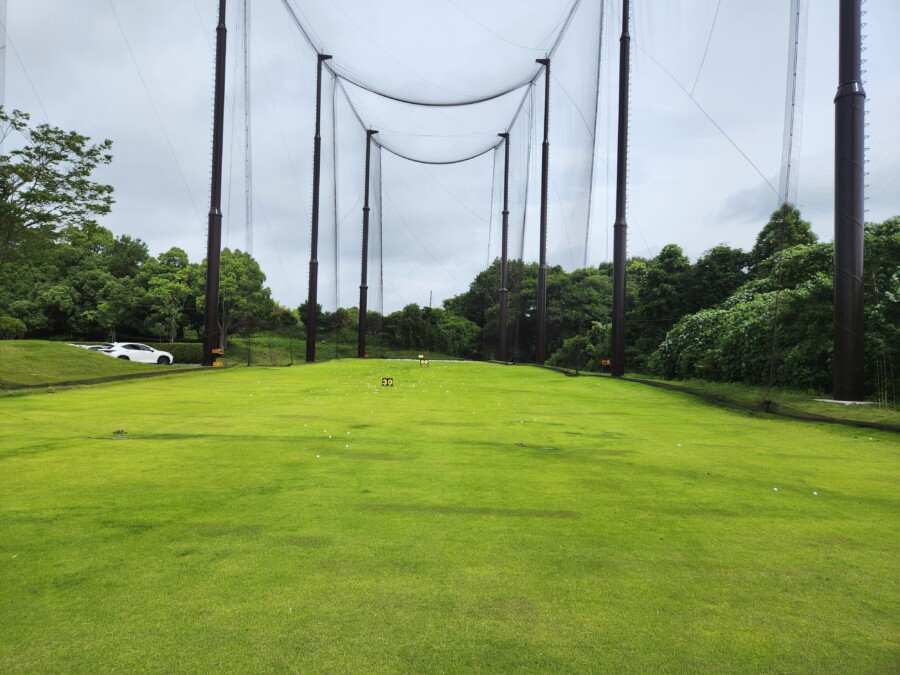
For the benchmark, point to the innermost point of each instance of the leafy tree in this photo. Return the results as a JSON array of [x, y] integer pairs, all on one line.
[[169, 280], [242, 296], [342, 324], [120, 304], [734, 341], [785, 229], [125, 257], [55, 303], [574, 302], [45, 185], [282, 317], [11, 328], [303, 313], [483, 293], [717, 274], [80, 258], [882, 308], [481, 305], [661, 299], [586, 351], [407, 328], [456, 335]]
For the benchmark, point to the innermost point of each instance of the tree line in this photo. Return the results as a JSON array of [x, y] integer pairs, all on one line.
[[762, 317], [64, 275], [759, 317]]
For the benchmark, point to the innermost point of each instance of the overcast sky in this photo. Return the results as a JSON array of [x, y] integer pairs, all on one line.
[[140, 73]]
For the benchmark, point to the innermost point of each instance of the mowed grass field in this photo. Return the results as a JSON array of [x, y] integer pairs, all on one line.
[[471, 518]]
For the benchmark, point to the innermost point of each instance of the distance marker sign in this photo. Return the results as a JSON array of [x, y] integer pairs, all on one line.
[[387, 381]]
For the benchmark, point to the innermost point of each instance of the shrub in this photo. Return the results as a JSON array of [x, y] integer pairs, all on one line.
[[182, 352], [11, 328]]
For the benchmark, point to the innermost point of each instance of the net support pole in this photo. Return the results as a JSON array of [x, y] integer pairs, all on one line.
[[849, 211], [312, 313], [364, 268], [504, 250], [211, 333], [620, 229], [545, 179]]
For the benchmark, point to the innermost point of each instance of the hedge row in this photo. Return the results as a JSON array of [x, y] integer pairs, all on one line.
[[182, 352]]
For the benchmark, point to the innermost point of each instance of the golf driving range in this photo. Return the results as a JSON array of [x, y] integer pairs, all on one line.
[[469, 517]]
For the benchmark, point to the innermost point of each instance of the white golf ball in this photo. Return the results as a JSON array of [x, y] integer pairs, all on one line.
[[317, 457], [815, 493], [775, 489]]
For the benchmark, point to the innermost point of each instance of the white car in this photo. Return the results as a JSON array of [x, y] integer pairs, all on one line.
[[135, 351]]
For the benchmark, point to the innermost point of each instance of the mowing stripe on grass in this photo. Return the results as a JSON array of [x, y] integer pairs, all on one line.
[[469, 518]]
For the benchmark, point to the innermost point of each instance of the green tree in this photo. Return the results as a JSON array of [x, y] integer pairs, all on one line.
[[407, 328], [125, 256], [121, 303], [734, 341], [11, 328], [483, 293], [282, 317], [303, 313], [785, 229], [457, 335], [574, 301], [480, 304], [45, 184], [882, 308], [717, 274], [660, 300], [586, 351], [243, 297], [169, 280]]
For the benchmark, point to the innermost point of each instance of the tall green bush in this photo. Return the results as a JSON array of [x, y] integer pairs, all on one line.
[[11, 328]]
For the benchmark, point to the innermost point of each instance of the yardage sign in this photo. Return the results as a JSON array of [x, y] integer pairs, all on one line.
[[387, 381]]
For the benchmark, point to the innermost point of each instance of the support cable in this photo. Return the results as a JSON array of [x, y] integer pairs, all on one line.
[[156, 113], [707, 115], [345, 74], [436, 162], [706, 50]]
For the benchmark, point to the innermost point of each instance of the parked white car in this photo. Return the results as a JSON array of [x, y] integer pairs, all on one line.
[[135, 351]]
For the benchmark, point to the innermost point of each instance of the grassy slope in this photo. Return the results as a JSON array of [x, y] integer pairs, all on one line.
[[472, 517], [38, 362], [791, 400]]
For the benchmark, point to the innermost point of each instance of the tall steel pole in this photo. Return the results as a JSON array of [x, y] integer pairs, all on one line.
[[504, 249], [214, 226], [545, 179], [849, 212], [312, 308], [620, 229], [364, 274]]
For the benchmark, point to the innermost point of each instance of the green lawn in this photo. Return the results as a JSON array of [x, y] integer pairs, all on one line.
[[472, 517]]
